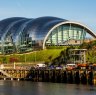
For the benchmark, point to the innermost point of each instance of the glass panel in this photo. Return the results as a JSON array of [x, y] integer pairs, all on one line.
[[75, 34], [54, 38], [65, 32], [70, 34], [26, 43], [59, 35]]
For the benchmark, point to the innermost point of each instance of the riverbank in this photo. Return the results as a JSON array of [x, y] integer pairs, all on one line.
[[51, 75]]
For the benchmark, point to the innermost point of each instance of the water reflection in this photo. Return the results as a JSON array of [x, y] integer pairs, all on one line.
[[41, 88]]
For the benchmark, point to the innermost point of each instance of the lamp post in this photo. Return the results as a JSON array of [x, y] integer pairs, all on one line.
[[25, 57], [14, 65], [35, 57]]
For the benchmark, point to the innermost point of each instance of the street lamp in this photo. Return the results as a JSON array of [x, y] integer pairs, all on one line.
[[35, 56], [14, 65], [25, 57]]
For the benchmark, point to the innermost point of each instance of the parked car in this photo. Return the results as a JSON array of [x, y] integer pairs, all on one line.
[[40, 65], [70, 66]]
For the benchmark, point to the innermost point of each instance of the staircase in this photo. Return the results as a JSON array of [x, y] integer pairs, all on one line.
[[4, 73]]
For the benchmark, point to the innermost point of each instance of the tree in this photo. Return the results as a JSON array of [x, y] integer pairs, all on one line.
[[13, 59]]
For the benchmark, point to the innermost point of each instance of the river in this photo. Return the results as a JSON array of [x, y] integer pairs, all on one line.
[[41, 88]]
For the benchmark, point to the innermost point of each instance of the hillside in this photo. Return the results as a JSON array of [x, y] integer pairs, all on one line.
[[91, 51], [51, 55], [36, 56]]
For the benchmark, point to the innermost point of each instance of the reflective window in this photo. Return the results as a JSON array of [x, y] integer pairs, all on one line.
[[25, 43], [66, 34]]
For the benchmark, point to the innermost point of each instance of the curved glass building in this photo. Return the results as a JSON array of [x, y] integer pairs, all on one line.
[[19, 34]]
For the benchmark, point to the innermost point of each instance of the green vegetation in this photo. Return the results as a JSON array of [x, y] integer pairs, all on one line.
[[42, 55], [52, 54], [91, 51]]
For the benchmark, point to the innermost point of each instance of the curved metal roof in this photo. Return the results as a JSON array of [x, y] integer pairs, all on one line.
[[39, 27], [5, 24], [20, 30], [13, 30]]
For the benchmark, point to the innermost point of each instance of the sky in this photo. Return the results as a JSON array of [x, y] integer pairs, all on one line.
[[83, 11]]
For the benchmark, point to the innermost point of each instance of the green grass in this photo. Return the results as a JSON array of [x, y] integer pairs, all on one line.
[[43, 55]]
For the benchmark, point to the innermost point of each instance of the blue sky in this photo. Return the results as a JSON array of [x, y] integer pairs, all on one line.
[[83, 11]]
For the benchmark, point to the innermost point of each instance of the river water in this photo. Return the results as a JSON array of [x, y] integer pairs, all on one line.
[[41, 88]]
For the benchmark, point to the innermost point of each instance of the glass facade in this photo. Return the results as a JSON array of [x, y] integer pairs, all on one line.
[[62, 35], [20, 35]]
